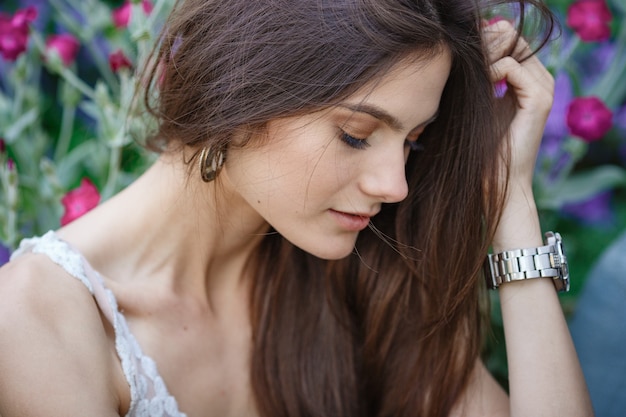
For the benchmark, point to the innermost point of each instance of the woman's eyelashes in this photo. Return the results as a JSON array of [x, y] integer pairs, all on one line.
[[353, 142], [361, 143]]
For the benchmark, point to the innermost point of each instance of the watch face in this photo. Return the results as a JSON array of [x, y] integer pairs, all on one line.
[[562, 282]]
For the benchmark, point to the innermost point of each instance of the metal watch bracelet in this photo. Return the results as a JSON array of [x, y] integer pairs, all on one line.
[[547, 261]]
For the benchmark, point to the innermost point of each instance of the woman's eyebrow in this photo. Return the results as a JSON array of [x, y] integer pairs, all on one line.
[[384, 116]]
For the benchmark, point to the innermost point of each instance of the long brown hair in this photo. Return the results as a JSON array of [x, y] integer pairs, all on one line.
[[395, 329]]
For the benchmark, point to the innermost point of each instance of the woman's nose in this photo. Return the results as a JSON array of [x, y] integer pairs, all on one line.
[[383, 175]]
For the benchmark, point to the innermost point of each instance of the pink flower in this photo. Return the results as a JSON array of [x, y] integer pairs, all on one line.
[[65, 45], [79, 201], [495, 20], [590, 20], [500, 88], [589, 118], [14, 32], [118, 61], [121, 15], [10, 164]]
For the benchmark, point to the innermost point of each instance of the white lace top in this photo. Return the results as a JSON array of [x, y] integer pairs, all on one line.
[[148, 394]]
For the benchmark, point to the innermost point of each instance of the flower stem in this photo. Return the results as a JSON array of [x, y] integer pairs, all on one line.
[[114, 169], [11, 228], [103, 67], [64, 72], [65, 135], [72, 79], [10, 183], [611, 87], [564, 58], [18, 101]]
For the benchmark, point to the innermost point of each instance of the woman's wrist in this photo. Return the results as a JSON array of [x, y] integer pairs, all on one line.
[[519, 225]]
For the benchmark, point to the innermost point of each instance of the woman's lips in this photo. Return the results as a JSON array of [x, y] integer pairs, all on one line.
[[350, 222]]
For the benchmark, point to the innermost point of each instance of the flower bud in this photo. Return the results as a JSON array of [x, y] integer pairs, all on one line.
[[65, 45], [119, 61], [3, 146], [121, 15]]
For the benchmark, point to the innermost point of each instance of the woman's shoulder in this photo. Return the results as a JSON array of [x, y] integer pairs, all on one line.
[[33, 284], [53, 341]]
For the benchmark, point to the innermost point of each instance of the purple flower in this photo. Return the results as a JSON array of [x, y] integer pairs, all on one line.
[[500, 88], [619, 119], [596, 63], [5, 254], [556, 126], [593, 211], [589, 118], [550, 153]]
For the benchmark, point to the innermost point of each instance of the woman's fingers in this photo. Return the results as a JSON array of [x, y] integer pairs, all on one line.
[[533, 88], [512, 60], [502, 39], [532, 83]]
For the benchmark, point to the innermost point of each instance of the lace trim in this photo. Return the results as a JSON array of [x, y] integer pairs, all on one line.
[[149, 395]]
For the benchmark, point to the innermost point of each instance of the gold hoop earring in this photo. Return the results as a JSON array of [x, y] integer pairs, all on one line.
[[211, 161]]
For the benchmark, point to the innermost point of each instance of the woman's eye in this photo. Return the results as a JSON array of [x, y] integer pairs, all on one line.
[[351, 141]]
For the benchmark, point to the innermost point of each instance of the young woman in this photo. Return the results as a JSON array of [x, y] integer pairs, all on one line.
[[311, 240]]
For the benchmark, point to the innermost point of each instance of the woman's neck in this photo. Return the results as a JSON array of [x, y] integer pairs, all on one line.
[[173, 229]]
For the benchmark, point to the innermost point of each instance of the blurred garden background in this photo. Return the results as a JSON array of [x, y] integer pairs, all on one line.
[[68, 126]]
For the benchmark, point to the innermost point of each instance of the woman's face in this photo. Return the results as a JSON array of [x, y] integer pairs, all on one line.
[[319, 178]]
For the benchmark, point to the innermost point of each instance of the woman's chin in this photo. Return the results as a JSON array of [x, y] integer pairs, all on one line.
[[332, 252]]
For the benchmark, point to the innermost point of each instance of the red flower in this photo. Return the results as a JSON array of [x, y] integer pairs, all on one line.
[[590, 20], [79, 201], [65, 45], [121, 15], [589, 118], [118, 61], [14, 32]]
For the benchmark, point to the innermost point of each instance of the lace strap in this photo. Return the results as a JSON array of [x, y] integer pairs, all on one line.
[[149, 395], [68, 258]]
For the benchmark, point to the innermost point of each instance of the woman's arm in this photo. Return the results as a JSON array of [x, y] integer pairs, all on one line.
[[545, 378], [55, 358]]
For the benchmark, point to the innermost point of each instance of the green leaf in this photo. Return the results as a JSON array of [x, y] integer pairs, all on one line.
[[619, 5], [16, 128], [582, 186], [69, 167]]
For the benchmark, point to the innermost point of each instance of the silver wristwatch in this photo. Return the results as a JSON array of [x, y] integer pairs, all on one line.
[[547, 261]]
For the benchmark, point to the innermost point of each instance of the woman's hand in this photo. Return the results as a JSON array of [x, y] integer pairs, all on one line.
[[530, 92], [531, 87]]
